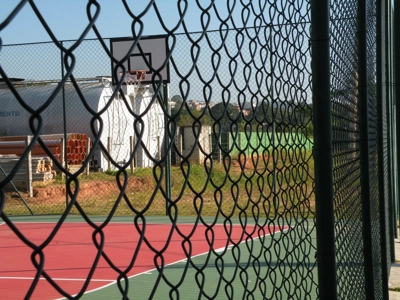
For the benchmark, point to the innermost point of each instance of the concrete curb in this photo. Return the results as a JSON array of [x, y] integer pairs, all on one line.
[[394, 278]]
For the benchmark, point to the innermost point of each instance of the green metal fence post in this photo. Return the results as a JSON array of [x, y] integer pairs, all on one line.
[[390, 145], [364, 147], [396, 86], [64, 125], [327, 280], [381, 42], [167, 150]]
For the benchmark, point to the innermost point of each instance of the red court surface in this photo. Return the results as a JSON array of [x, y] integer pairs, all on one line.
[[69, 257]]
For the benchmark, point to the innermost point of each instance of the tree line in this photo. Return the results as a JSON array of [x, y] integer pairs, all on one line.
[[280, 116]]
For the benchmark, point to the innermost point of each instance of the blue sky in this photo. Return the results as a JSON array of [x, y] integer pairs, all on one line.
[[68, 19]]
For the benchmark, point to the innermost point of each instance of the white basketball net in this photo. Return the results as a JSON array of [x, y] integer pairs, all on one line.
[[134, 79]]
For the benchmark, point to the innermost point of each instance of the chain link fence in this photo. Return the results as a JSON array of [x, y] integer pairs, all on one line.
[[229, 138], [234, 125], [360, 153], [346, 151]]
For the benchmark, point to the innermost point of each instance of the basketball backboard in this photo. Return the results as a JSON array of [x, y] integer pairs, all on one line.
[[154, 53]]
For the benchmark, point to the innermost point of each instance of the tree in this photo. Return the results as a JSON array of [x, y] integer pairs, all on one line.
[[185, 116], [225, 114], [188, 118], [263, 113], [177, 99]]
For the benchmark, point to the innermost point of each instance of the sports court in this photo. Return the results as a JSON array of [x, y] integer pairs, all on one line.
[[71, 258]]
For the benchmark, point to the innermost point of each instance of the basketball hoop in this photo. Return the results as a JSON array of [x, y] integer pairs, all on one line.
[[134, 78]]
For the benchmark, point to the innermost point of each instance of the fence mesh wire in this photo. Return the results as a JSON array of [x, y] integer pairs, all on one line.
[[228, 141], [353, 196], [376, 220], [387, 130], [346, 159]]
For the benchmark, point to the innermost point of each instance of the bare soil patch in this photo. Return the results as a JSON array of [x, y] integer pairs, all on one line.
[[87, 189]]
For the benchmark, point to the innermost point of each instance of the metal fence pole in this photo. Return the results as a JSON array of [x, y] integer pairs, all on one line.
[[381, 95], [396, 86], [391, 128], [389, 93], [63, 153], [109, 149], [364, 146], [274, 113], [29, 187], [132, 147], [167, 150], [323, 149], [64, 125], [87, 168]]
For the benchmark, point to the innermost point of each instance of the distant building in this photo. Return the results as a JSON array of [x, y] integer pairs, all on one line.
[[246, 109], [193, 104], [194, 149], [211, 104], [200, 105]]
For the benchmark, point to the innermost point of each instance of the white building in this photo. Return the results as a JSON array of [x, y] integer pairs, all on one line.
[[89, 112]]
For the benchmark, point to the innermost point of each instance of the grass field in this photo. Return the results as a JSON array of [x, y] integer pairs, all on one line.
[[257, 185]]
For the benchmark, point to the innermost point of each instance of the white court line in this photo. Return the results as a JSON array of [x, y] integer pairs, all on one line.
[[170, 264], [58, 279], [147, 272]]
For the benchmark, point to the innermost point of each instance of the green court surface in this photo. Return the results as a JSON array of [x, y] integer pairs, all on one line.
[[224, 277]]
